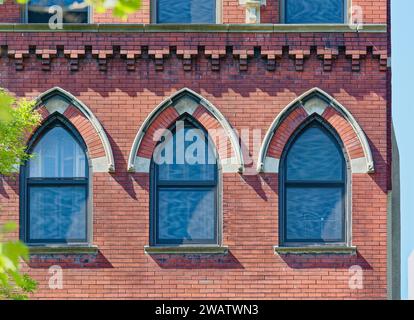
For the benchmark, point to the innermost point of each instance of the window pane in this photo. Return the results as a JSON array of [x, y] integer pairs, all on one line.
[[186, 11], [57, 213], [58, 155], [186, 215], [38, 11], [315, 156], [314, 214], [187, 156], [314, 11]]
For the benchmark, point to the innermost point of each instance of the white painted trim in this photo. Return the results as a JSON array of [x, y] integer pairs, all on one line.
[[315, 105], [359, 165], [271, 165], [300, 102], [184, 92], [99, 165], [230, 165], [56, 104], [142, 164], [42, 100], [186, 105]]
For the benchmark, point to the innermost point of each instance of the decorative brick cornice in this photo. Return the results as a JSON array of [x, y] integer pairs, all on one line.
[[187, 56], [215, 56], [271, 56], [159, 55], [383, 58], [74, 56], [327, 55], [46, 55], [130, 56], [102, 56], [191, 54], [18, 56], [243, 56], [299, 56], [356, 56]]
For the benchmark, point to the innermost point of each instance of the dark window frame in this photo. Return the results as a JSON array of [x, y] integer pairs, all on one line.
[[25, 15], [154, 13], [55, 120], [345, 13], [155, 185], [315, 120]]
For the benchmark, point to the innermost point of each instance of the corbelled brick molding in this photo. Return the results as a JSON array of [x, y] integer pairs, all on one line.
[[263, 49], [316, 101], [57, 100], [185, 101]]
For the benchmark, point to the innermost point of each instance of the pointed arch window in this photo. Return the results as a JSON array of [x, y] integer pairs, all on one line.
[[55, 185], [313, 184], [184, 187]]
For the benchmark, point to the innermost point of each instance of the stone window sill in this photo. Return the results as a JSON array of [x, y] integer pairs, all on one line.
[[345, 250], [69, 249], [186, 250]]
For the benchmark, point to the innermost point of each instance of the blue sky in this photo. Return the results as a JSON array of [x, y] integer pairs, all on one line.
[[403, 117]]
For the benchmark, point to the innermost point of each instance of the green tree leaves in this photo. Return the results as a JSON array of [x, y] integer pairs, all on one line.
[[120, 8], [13, 284], [17, 120]]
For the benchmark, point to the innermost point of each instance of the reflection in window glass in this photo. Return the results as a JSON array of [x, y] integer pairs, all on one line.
[[56, 187], [186, 214], [314, 214], [58, 155], [315, 11], [57, 213], [73, 11], [185, 184], [314, 187], [186, 11]]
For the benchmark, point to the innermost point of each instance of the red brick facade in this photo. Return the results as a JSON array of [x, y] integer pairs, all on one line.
[[250, 77]]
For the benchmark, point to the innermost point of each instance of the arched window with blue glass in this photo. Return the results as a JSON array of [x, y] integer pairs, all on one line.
[[184, 199], [314, 11], [55, 185], [313, 187]]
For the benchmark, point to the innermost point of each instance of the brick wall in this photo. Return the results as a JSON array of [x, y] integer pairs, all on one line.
[[249, 97], [9, 12], [232, 12]]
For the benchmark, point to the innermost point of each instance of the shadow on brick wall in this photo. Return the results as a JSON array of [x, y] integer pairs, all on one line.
[[194, 261], [69, 261], [325, 261]]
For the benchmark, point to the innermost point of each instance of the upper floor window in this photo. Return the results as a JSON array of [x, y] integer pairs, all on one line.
[[55, 186], [73, 11], [186, 11], [184, 188], [313, 188], [315, 11]]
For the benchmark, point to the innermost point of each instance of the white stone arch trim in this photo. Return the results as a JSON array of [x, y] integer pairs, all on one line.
[[52, 100], [182, 103], [306, 101]]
